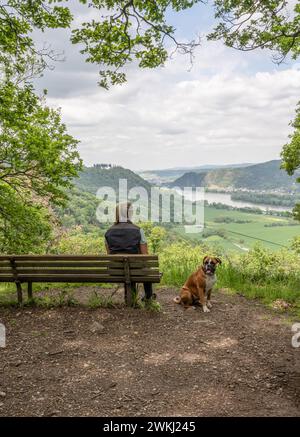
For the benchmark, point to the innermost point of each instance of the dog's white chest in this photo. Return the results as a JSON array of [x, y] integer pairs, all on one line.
[[209, 283]]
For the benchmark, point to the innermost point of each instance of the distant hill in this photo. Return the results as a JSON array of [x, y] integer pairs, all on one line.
[[92, 178], [170, 174], [265, 176]]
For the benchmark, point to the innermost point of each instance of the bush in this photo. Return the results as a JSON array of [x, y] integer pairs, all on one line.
[[77, 243], [179, 260]]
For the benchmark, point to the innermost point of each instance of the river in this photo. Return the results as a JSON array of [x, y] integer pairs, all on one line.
[[226, 199]]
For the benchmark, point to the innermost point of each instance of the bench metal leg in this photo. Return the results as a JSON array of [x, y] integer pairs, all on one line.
[[19, 292], [29, 290], [128, 296]]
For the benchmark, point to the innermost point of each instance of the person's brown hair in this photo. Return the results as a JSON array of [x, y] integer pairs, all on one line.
[[123, 206]]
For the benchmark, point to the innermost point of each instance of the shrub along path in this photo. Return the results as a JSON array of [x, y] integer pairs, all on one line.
[[68, 361]]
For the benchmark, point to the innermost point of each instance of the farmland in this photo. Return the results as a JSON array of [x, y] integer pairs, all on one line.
[[223, 226]]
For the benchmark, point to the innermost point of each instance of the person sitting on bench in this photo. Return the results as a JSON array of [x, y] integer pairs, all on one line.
[[125, 237]]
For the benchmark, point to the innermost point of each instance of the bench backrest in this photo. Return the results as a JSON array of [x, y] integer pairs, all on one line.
[[79, 268]]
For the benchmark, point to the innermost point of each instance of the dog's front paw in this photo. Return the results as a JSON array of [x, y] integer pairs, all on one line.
[[205, 309], [209, 304]]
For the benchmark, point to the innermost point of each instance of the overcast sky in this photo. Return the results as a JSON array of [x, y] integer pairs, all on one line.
[[231, 107]]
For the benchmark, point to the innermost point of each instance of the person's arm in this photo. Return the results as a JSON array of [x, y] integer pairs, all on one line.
[[106, 245], [144, 249], [107, 248], [143, 244]]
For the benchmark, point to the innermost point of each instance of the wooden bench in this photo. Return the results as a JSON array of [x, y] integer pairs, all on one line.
[[126, 269]]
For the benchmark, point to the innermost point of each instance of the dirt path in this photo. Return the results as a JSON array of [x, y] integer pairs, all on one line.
[[236, 360]]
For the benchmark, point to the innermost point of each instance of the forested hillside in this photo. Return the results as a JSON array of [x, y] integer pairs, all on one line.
[[264, 176], [92, 178]]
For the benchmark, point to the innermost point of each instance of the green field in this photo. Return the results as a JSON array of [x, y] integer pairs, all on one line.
[[227, 234]]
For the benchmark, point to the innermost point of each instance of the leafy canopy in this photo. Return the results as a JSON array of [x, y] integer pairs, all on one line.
[[130, 31], [291, 151], [251, 24], [19, 55], [127, 31], [291, 154], [37, 156], [23, 225], [37, 160]]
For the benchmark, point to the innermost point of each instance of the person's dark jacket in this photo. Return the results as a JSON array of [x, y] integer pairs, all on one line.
[[123, 238]]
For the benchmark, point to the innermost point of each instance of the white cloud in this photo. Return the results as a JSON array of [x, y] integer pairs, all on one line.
[[231, 107], [169, 117]]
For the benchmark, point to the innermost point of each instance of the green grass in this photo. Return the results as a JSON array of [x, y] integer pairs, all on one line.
[[259, 273], [64, 297], [151, 305], [282, 235], [96, 301], [267, 290], [8, 295]]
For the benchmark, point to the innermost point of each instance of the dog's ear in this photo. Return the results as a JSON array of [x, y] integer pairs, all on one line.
[[218, 260], [205, 258]]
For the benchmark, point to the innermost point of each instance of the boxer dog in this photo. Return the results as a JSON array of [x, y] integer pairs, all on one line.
[[197, 288]]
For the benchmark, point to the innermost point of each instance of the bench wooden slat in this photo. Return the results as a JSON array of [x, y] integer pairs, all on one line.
[[73, 278], [143, 263], [94, 271], [80, 264], [144, 271], [7, 278], [78, 257], [59, 272], [142, 279], [87, 278]]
